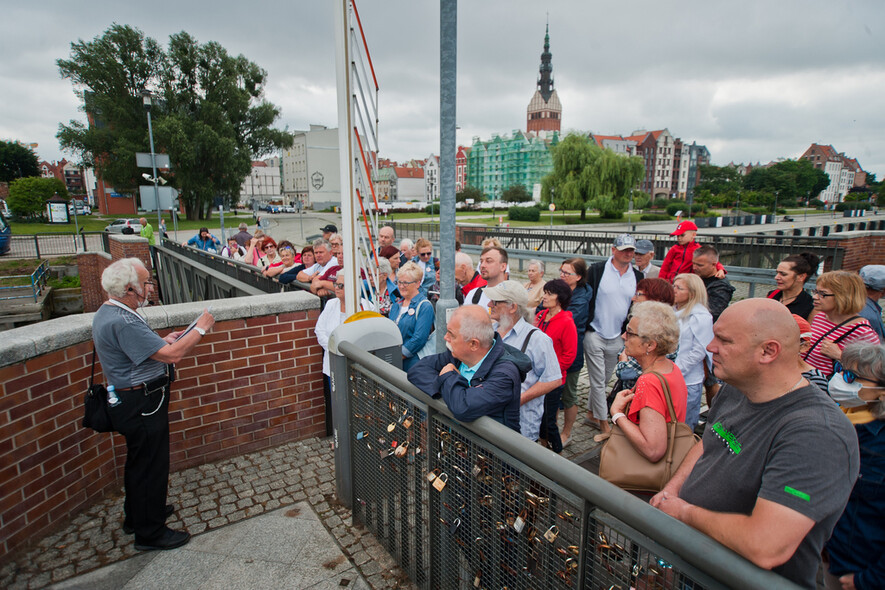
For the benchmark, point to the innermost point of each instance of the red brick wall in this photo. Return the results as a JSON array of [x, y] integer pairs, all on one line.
[[92, 264], [860, 250], [252, 383]]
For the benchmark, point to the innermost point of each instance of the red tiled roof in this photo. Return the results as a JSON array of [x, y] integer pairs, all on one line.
[[405, 172]]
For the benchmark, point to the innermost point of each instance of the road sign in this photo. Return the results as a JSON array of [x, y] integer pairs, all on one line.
[[143, 160], [168, 196]]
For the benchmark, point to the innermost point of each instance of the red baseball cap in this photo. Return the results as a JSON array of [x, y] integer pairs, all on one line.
[[804, 327], [684, 227]]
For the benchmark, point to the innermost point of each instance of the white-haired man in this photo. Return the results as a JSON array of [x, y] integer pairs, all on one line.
[[465, 275], [135, 360], [508, 306]]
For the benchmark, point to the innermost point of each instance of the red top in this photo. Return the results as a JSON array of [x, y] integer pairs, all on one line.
[[650, 394], [561, 329], [859, 331], [476, 281], [678, 261]]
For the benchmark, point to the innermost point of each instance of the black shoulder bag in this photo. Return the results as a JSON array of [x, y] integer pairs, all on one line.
[[95, 404]]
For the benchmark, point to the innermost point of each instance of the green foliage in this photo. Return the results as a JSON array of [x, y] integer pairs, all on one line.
[[65, 282], [28, 196], [469, 192], [660, 203], [524, 213], [516, 193], [432, 209], [718, 179], [17, 161], [654, 217], [641, 200], [209, 113], [587, 176], [853, 206], [790, 179], [816, 203], [674, 206]]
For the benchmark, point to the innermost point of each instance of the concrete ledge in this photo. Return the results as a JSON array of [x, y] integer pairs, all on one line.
[[21, 344]]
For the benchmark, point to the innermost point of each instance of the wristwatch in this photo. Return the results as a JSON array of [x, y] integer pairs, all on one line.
[[200, 331]]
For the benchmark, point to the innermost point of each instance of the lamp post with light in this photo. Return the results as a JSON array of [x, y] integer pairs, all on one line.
[[146, 97]]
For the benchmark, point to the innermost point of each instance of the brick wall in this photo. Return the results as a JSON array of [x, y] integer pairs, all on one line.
[[861, 248], [254, 382], [92, 264]]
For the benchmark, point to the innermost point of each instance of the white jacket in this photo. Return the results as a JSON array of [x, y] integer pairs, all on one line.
[[695, 333]]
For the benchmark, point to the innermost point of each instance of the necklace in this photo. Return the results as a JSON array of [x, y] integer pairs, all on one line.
[[796, 386]]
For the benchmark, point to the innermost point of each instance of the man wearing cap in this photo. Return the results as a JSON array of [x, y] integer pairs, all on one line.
[[613, 284], [508, 306], [328, 230], [645, 252], [873, 276]]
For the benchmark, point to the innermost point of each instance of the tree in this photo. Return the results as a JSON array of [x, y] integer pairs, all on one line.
[[209, 114], [469, 192], [587, 176], [791, 179], [718, 179], [516, 193], [28, 196], [17, 161]]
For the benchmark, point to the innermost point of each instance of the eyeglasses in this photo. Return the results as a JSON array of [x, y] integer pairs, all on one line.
[[406, 282], [268, 247], [289, 248], [640, 293], [424, 254], [339, 285], [567, 273], [849, 376], [822, 294], [630, 334]]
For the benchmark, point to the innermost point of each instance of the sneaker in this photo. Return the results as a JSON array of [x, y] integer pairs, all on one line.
[[170, 510], [168, 540]]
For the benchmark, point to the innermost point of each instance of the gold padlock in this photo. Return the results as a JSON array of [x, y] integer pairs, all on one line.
[[401, 450], [440, 482], [391, 426], [552, 533], [519, 523], [408, 422], [433, 474], [476, 579]]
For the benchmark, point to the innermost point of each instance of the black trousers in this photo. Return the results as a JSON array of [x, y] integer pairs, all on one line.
[[144, 421], [549, 427]]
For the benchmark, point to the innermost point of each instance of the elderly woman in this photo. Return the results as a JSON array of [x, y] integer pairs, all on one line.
[[641, 412], [791, 275], [385, 289], [555, 321], [573, 272], [307, 261], [427, 262], [286, 252], [413, 313], [695, 333], [393, 256], [839, 298], [535, 287], [857, 546], [274, 262], [331, 317]]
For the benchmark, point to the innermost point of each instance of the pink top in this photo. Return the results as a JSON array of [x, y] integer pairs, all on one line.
[[650, 394], [860, 331]]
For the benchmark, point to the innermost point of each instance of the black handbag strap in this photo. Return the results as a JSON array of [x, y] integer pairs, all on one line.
[[830, 331], [92, 372]]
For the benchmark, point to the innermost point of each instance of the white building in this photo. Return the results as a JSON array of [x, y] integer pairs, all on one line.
[[262, 186], [409, 184], [310, 170], [431, 179]]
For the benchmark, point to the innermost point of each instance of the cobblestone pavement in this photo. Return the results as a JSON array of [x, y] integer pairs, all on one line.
[[217, 494]]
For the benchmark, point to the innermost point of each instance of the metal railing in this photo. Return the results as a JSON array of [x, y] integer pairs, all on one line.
[[477, 505], [38, 280], [40, 245], [746, 250]]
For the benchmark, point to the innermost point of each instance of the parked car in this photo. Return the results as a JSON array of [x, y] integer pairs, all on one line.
[[81, 208], [118, 225], [288, 209], [273, 209], [5, 235]]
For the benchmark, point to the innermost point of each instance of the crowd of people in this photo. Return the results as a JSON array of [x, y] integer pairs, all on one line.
[[799, 375]]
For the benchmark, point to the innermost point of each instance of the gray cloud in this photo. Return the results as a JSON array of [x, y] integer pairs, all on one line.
[[753, 81]]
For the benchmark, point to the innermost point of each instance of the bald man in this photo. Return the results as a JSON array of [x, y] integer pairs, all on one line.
[[478, 375], [778, 459]]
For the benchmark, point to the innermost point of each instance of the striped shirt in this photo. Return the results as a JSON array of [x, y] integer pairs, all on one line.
[[859, 331]]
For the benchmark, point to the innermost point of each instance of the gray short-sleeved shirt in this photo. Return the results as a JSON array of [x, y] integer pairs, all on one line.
[[124, 344], [798, 450]]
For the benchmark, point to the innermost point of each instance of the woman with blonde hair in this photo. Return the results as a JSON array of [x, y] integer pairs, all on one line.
[[838, 297], [413, 313], [695, 333]]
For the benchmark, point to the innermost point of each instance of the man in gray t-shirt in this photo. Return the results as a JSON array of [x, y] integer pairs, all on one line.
[[778, 458]]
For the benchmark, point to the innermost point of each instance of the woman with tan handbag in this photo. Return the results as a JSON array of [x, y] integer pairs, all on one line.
[[648, 442]]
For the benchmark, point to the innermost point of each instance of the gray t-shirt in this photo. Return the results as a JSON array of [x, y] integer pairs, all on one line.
[[124, 344], [799, 451]]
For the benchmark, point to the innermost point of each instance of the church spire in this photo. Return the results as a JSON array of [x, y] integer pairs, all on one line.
[[545, 80]]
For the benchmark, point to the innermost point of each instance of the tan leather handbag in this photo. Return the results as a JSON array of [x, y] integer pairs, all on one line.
[[621, 464]]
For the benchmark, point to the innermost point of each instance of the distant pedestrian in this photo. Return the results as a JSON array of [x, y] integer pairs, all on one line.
[[147, 231], [243, 236]]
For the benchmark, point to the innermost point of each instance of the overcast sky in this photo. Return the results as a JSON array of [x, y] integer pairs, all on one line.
[[753, 80]]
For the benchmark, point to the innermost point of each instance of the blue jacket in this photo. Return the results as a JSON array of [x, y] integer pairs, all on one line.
[[429, 274], [415, 326], [857, 544], [205, 245], [580, 308], [494, 390]]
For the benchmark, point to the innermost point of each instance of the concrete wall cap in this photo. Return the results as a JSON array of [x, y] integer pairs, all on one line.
[[132, 238]]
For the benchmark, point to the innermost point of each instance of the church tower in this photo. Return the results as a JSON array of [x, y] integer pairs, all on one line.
[[544, 112]]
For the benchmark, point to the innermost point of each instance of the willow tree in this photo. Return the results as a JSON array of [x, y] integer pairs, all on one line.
[[586, 176]]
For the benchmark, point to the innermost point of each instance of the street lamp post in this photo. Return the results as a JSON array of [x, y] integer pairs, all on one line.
[[147, 96], [775, 205]]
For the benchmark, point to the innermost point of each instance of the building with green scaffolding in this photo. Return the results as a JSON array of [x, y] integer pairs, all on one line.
[[523, 158]]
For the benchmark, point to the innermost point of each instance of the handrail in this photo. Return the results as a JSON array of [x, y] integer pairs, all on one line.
[[707, 555], [38, 279]]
